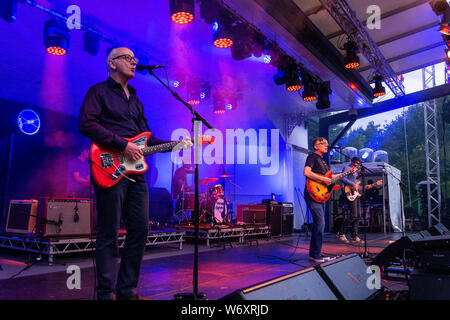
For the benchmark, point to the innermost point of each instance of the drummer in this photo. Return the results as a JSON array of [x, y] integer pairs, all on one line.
[[179, 181]]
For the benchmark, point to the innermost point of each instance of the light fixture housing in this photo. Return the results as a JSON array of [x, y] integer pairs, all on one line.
[[182, 11], [309, 92], [56, 37], [379, 90], [323, 96], [222, 33], [293, 80], [351, 60]]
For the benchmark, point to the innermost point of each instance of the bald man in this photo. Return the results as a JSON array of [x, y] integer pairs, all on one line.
[[111, 111]]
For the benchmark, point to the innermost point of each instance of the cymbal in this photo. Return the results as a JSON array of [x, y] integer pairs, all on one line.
[[225, 176], [207, 180]]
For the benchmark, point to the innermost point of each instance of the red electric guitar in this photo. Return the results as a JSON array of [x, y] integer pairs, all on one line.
[[109, 166]]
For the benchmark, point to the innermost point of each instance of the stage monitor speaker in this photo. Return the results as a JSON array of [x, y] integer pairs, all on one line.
[[347, 278], [67, 217], [288, 224], [252, 214], [22, 216], [301, 285], [438, 230], [385, 257]]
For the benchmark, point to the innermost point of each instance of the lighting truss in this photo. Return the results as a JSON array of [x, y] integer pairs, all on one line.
[[349, 22]]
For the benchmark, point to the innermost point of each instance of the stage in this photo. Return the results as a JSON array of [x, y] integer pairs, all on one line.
[[166, 270]]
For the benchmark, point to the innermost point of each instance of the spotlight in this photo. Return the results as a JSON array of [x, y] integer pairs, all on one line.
[[222, 34], [91, 43], [8, 10], [258, 45], [379, 90], [293, 81], [243, 37], [56, 37], [309, 93], [267, 58], [351, 59], [323, 93], [182, 11], [366, 154], [352, 86], [218, 103], [209, 10], [280, 77], [447, 53], [193, 93]]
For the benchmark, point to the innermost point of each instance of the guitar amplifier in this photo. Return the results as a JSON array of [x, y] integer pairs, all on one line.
[[252, 214], [22, 216], [288, 207], [281, 223], [67, 217]]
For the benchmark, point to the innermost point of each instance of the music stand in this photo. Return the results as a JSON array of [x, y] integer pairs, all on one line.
[[196, 119]]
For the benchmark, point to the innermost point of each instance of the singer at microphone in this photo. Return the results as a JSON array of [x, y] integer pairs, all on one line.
[[150, 67]]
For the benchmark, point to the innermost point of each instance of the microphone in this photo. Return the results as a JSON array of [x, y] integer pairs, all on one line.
[[380, 165], [336, 147], [150, 67]]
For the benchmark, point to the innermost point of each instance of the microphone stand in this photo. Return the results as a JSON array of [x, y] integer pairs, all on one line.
[[195, 117]]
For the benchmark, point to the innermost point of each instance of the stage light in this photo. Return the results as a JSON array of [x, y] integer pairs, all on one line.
[[379, 90], [8, 10], [182, 11], [293, 79], [323, 94], [243, 38], [229, 106], [447, 53], [222, 34], [366, 154], [309, 93], [91, 43], [441, 7], [28, 122], [351, 59], [218, 103], [202, 95], [380, 156], [193, 93], [280, 77], [258, 45], [353, 86], [56, 37], [176, 83], [267, 58], [350, 152], [209, 10]]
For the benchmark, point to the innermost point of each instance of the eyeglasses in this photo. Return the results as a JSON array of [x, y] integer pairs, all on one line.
[[325, 144], [127, 57]]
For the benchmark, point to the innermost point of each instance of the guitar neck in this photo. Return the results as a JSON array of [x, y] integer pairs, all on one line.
[[341, 176], [159, 148]]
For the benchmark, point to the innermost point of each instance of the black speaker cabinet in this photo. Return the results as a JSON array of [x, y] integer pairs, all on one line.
[[22, 216], [429, 286], [281, 223], [385, 257], [67, 217], [438, 230], [301, 285], [347, 277]]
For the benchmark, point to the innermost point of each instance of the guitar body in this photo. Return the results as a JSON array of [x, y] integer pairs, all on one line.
[[352, 193], [109, 166], [320, 192]]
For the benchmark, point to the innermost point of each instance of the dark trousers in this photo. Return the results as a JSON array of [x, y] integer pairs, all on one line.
[[318, 226], [353, 219], [128, 200]]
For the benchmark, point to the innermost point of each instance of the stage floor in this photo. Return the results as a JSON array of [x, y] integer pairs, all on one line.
[[166, 270]]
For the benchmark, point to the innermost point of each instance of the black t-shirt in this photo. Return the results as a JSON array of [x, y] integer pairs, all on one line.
[[317, 164]]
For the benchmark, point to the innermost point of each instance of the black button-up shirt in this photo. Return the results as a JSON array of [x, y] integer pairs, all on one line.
[[107, 116]]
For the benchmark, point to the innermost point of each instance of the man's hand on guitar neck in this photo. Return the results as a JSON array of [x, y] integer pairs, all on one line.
[[133, 152]]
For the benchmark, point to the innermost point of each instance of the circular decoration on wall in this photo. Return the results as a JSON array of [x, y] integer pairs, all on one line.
[[28, 122]]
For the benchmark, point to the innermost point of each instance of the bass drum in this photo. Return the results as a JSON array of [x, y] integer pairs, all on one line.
[[215, 211]]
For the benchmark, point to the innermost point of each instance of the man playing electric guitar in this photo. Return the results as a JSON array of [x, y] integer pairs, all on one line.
[[315, 170], [111, 112]]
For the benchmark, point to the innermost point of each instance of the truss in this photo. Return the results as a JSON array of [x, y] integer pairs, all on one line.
[[349, 22], [431, 150]]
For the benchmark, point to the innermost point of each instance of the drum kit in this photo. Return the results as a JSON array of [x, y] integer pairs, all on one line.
[[214, 207]]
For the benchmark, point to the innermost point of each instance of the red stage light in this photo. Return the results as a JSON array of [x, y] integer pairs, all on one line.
[[294, 88], [223, 43], [194, 102], [56, 51], [309, 98], [353, 86], [182, 17]]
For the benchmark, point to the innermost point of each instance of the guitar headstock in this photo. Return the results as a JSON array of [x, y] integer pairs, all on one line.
[[203, 140]]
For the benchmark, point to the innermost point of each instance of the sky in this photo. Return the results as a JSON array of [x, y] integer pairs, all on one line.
[[413, 82]]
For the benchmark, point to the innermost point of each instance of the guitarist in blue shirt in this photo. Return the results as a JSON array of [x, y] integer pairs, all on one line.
[[355, 206]]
